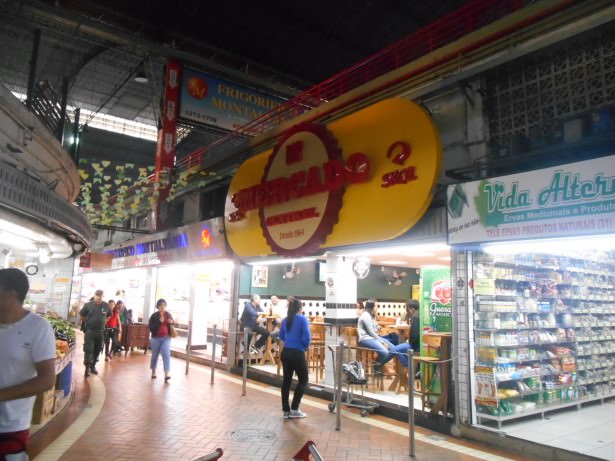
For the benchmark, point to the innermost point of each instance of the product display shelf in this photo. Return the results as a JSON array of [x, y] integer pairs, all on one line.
[[544, 408], [62, 363], [558, 301]]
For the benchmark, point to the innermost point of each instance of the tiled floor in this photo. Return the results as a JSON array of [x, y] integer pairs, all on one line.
[[590, 430], [124, 415]]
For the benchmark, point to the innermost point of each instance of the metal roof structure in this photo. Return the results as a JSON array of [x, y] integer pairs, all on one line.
[[277, 46]]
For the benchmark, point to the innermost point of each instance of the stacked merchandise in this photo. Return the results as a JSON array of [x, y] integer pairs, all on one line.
[[544, 329], [50, 402]]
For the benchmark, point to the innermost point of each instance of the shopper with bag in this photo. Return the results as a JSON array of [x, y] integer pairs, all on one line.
[[162, 327], [294, 340]]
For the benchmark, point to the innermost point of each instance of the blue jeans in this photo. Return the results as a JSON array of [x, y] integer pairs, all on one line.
[[384, 354], [161, 346], [401, 351]]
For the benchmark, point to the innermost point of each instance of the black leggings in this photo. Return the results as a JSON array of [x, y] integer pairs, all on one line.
[[293, 361], [111, 337]]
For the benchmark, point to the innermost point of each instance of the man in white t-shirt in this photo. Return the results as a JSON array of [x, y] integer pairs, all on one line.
[[27, 363], [278, 307]]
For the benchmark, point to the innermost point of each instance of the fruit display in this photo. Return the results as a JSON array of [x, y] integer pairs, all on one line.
[[63, 330]]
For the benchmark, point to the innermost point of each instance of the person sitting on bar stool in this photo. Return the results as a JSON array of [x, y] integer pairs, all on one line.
[[251, 311], [414, 338], [367, 329]]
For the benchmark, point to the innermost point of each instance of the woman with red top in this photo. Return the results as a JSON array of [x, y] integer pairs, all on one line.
[[161, 340], [112, 330]]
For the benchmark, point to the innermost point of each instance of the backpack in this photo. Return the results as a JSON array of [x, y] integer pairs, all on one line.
[[354, 372]]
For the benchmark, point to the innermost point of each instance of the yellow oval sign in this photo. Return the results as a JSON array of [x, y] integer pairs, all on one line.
[[390, 163]]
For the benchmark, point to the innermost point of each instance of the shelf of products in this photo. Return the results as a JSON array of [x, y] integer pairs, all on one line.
[[50, 402], [544, 333]]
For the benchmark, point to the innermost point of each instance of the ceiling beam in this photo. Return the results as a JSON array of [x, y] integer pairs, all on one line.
[[120, 37]]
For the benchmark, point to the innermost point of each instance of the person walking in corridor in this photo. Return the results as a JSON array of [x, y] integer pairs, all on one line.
[[94, 316], [112, 330], [27, 355], [160, 324], [294, 341]]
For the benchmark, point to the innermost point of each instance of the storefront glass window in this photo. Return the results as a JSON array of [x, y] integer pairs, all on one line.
[[544, 330], [129, 285]]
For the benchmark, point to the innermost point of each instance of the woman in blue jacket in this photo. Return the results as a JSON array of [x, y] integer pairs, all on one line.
[[294, 341]]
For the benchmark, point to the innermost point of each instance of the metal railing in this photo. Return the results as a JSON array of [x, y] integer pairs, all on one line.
[[18, 191], [307, 450], [443, 31], [48, 108], [216, 454], [446, 30]]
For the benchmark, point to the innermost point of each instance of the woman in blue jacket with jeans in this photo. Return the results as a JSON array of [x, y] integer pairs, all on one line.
[[294, 341]]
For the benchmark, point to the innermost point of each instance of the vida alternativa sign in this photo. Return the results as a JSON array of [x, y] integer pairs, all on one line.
[[568, 200]]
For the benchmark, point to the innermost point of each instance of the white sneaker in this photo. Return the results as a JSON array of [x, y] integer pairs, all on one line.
[[296, 414], [286, 414]]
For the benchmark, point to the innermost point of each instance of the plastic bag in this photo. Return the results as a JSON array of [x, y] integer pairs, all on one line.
[[354, 371]]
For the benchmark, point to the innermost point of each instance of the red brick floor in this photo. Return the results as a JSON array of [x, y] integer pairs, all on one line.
[[145, 419]]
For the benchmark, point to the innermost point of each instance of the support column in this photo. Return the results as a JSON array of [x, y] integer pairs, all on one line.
[[33, 68], [167, 136], [341, 302]]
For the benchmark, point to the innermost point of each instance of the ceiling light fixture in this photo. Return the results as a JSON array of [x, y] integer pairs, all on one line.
[[273, 262], [44, 255], [141, 76], [411, 249], [393, 262]]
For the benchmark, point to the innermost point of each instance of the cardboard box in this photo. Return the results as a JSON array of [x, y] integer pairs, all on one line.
[[58, 402], [43, 407]]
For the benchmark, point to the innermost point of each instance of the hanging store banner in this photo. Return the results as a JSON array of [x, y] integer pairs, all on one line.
[[436, 304], [194, 242], [568, 200], [364, 178], [212, 101]]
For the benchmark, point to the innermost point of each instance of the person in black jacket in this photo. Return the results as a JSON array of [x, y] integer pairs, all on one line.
[[414, 338], [249, 319], [412, 317], [94, 316]]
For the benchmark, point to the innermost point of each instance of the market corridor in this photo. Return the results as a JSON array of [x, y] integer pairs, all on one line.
[[122, 415]]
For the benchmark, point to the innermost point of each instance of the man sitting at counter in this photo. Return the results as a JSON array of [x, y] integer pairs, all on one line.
[[251, 312], [412, 318]]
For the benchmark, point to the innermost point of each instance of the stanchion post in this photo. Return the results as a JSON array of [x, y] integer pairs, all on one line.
[[246, 357], [213, 352], [338, 377], [188, 345], [411, 400]]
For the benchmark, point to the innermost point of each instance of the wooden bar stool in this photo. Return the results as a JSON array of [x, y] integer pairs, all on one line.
[[245, 354], [316, 351], [400, 378], [427, 365]]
